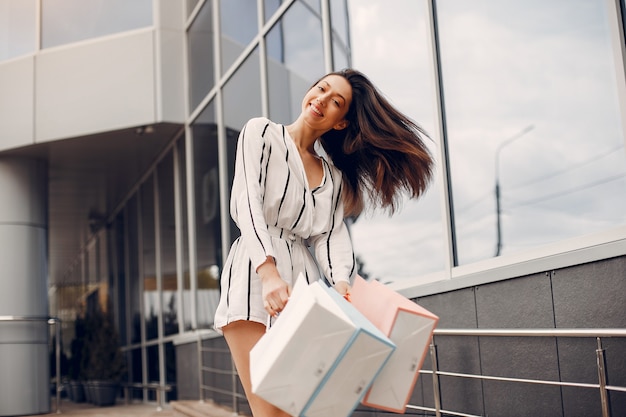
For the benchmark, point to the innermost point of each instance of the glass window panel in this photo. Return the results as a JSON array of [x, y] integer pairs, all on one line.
[[133, 263], [134, 366], [208, 232], [150, 294], [118, 265], [65, 21], [17, 27], [339, 20], [340, 35], [314, 5], [274, 44], [295, 61], [153, 369], [201, 71], [302, 42], [286, 88], [340, 57], [244, 83], [167, 222], [412, 237], [531, 104], [270, 8], [170, 370], [239, 26]]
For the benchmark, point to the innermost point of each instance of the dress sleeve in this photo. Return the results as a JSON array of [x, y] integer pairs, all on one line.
[[333, 249], [248, 190]]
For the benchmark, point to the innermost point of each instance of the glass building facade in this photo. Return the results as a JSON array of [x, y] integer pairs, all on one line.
[[524, 102], [514, 183]]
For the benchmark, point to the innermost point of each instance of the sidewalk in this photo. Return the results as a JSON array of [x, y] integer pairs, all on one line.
[[71, 408], [196, 408]]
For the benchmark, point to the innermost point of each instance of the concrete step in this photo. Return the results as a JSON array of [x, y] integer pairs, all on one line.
[[207, 408]]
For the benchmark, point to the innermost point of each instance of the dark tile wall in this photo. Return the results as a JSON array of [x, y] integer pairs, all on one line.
[[593, 294], [218, 358], [520, 303], [584, 296], [187, 371], [455, 309]]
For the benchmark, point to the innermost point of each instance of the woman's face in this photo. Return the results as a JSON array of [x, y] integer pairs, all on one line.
[[324, 106]]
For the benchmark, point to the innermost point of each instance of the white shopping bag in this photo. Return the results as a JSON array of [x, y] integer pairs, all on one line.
[[348, 380], [409, 326], [319, 357]]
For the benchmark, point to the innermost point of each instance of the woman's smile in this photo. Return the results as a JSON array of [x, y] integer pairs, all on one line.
[[316, 110]]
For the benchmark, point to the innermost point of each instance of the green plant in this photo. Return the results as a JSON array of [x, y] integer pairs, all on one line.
[[102, 357]]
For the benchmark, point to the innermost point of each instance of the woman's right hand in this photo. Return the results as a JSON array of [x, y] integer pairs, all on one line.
[[275, 291]]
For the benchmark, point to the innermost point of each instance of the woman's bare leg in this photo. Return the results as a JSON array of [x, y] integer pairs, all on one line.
[[241, 336]]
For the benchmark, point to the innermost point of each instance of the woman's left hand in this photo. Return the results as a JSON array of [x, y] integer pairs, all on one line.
[[342, 287]]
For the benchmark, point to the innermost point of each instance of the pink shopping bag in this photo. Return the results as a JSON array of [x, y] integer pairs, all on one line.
[[409, 326]]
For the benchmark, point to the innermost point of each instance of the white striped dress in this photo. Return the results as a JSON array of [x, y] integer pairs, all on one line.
[[279, 215]]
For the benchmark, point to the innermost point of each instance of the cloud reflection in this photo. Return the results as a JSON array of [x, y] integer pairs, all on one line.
[[505, 65]]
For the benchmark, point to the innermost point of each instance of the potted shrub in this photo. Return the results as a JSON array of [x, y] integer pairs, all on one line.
[[103, 360]]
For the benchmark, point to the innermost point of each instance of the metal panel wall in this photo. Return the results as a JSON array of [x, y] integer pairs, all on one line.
[[24, 371], [16, 103], [100, 85]]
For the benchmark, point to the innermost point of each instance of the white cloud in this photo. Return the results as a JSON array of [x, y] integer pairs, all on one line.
[[506, 65], [390, 45]]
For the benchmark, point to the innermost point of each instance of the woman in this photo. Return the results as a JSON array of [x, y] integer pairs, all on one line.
[[285, 197]]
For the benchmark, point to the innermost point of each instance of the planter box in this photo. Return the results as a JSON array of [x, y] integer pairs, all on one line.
[[77, 391], [104, 393], [88, 391]]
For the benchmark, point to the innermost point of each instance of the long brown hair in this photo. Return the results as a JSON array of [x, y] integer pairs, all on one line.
[[380, 153]]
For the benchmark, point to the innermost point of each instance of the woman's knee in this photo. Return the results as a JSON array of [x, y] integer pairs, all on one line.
[[243, 333]]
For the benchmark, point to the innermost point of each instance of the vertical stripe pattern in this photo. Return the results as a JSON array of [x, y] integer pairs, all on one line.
[[280, 216]]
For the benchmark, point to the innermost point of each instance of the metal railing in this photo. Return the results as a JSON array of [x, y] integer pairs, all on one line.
[[159, 389], [56, 322], [598, 334], [602, 386], [232, 372]]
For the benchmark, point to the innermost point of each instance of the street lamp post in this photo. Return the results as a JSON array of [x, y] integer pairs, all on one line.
[[497, 189]]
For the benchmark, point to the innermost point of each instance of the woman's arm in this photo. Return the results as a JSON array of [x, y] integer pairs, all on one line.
[[275, 291], [253, 151], [248, 190]]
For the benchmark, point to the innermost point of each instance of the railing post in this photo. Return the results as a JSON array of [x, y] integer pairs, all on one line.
[[234, 385], [604, 398], [57, 328], [57, 360], [200, 370], [436, 392], [159, 398]]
